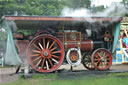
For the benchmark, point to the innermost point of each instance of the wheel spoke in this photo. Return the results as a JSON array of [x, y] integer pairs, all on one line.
[[43, 63], [36, 47], [98, 63], [50, 62], [36, 59], [51, 45], [41, 46], [47, 65], [96, 59], [55, 60], [87, 62], [99, 54], [34, 55], [90, 64], [36, 51], [53, 49], [101, 64], [96, 56], [56, 52], [47, 44], [39, 62], [55, 56], [44, 42], [105, 60], [105, 63], [105, 56]]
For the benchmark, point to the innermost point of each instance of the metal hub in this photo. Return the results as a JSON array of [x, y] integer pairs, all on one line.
[[102, 59], [45, 53]]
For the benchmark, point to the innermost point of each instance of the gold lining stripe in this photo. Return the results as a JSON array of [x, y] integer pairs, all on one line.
[[91, 45]]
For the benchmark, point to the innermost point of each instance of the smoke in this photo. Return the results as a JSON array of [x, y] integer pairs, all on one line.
[[81, 12], [115, 10], [13, 25]]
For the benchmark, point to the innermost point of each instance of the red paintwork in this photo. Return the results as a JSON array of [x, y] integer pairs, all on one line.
[[96, 58], [86, 45], [69, 38], [72, 45], [48, 51], [40, 18], [61, 57]]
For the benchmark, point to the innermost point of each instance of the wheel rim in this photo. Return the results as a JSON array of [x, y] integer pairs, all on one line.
[[102, 59], [45, 53], [40, 32], [87, 63]]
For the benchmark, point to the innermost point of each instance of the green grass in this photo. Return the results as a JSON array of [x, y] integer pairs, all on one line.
[[52, 79], [7, 66]]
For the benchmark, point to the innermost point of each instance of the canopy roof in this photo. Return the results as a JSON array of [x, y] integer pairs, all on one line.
[[42, 18], [37, 22]]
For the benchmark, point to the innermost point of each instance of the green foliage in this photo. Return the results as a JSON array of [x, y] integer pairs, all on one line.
[[3, 32], [125, 2], [39, 7], [79, 3], [27, 32], [98, 8], [31, 7]]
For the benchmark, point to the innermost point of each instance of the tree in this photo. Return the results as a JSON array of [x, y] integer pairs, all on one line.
[[31, 7], [79, 3], [125, 2], [100, 8]]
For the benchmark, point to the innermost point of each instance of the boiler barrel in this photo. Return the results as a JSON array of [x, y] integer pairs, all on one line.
[[89, 45], [85, 45]]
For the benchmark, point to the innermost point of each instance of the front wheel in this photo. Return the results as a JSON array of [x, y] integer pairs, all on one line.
[[102, 59]]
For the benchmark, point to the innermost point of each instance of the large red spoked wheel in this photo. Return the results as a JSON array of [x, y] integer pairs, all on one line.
[[87, 63], [45, 53], [102, 59]]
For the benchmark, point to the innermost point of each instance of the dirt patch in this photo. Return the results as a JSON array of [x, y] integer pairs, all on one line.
[[7, 75], [64, 72]]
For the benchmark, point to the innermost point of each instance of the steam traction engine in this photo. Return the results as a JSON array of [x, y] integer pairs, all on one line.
[[46, 52], [69, 40]]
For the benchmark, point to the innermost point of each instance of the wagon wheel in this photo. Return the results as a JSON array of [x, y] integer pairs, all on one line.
[[86, 61], [45, 53], [102, 59]]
